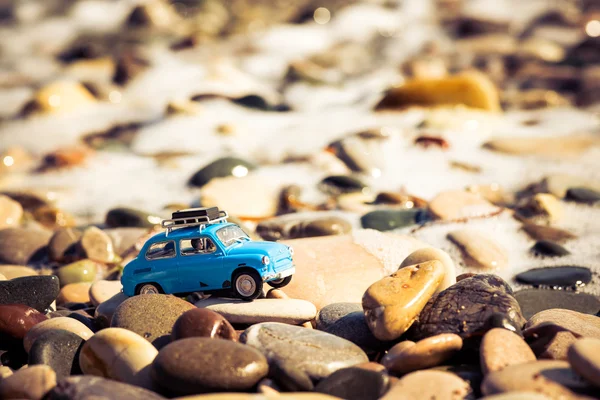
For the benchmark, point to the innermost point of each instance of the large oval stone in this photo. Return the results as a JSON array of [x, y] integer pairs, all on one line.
[[60, 323], [429, 254], [533, 301], [21, 246], [58, 349], [89, 387], [35, 291], [501, 348], [479, 249], [28, 383], [102, 290], [202, 322], [560, 276], [17, 319]]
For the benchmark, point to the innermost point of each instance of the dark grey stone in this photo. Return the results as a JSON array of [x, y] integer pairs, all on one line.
[[218, 169], [561, 276], [93, 387], [354, 327], [386, 220], [354, 384], [549, 249], [583, 195], [34, 291], [331, 313], [533, 301], [59, 349], [340, 184], [130, 217], [20, 246]]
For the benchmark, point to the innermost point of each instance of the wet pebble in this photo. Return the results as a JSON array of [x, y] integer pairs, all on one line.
[[479, 249], [226, 166], [549, 249], [202, 322], [431, 253], [289, 377], [53, 324], [59, 349], [559, 184], [87, 387], [532, 301], [74, 293], [102, 290], [131, 217], [332, 313], [21, 246], [354, 327], [289, 311], [459, 204], [429, 384], [105, 311], [296, 226], [543, 232], [584, 357], [340, 184], [559, 276], [35, 291], [11, 212], [583, 195], [354, 384], [501, 348], [17, 319], [63, 245], [29, 383], [79, 271], [386, 220], [97, 245]]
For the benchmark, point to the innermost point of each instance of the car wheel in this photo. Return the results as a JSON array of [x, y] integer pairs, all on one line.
[[279, 283], [148, 288], [247, 285]]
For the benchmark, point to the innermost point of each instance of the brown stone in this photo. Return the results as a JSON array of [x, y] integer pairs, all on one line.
[[74, 293], [17, 319], [424, 354], [501, 348], [201, 322], [30, 383]]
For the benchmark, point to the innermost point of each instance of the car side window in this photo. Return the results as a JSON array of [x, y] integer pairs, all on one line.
[[201, 245], [161, 250]]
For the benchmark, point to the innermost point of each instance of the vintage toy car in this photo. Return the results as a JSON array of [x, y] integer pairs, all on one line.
[[201, 252]]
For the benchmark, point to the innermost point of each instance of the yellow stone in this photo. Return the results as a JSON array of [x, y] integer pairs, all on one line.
[[62, 96]]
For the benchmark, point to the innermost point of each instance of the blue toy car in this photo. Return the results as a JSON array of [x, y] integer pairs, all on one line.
[[201, 252]]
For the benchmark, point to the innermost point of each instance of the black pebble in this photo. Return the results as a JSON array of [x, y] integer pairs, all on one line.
[[550, 249], [563, 276], [533, 301], [60, 350], [87, 321], [385, 220], [583, 195], [339, 184], [220, 168], [34, 291], [354, 383]]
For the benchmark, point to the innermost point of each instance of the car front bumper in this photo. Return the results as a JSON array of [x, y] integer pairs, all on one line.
[[279, 275]]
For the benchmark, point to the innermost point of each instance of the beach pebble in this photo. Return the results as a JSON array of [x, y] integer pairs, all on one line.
[[332, 313], [520, 395], [479, 249], [97, 245], [86, 387], [17, 319], [584, 357], [543, 232], [547, 248], [20, 246], [79, 271], [550, 147], [386, 220], [131, 217], [74, 293], [354, 384], [392, 304], [59, 349], [16, 271], [62, 96], [532, 301], [297, 226], [35, 291], [354, 327], [198, 365], [63, 245], [118, 354], [429, 254], [361, 154], [101, 291], [226, 166], [151, 316], [10, 212], [29, 383], [408, 357], [60, 323], [548, 205], [458, 204], [125, 238], [341, 184], [202, 322], [288, 311], [317, 353], [559, 184], [559, 276], [583, 195], [501, 348], [105, 311], [429, 384]]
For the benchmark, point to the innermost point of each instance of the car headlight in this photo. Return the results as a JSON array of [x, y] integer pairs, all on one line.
[[265, 260], [291, 250]]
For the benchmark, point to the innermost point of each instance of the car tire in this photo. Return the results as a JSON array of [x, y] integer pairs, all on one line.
[[247, 285], [148, 288], [279, 283]]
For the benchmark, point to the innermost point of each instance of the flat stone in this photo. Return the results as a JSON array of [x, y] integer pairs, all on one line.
[[226, 166], [341, 184], [560, 276], [532, 301], [198, 365], [458, 204], [583, 195], [547, 205], [118, 354], [288, 311], [63, 245], [151, 316], [387, 220], [429, 384], [97, 245], [552, 147], [11, 212], [501, 348], [28, 383], [105, 311], [361, 154], [584, 357], [102, 290], [479, 249], [79, 271], [559, 184], [332, 313], [131, 217], [59, 349], [542, 232], [35, 291], [317, 353], [521, 395], [429, 254], [74, 293], [354, 384], [59, 323], [16, 271], [296, 226], [21, 246], [354, 328], [88, 387], [202, 322], [549, 249], [393, 303], [17, 319]]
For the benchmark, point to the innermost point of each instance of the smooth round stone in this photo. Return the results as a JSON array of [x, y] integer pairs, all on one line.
[[63, 244], [16, 271], [11, 212], [20, 246], [118, 354], [354, 384], [404, 358], [392, 304], [276, 294], [429, 254], [296, 226], [479, 249], [226, 166], [102, 290], [316, 353], [561, 147], [105, 311], [501, 348], [583, 195], [80, 271], [532, 301], [339, 184], [74, 293], [53, 324], [563, 276], [198, 365], [29, 383], [17, 319], [202, 322], [125, 238], [131, 217], [429, 384], [97, 245], [59, 349], [89, 387], [290, 378], [85, 318], [549, 249], [332, 313], [35, 291], [459, 204], [151, 316], [543, 232], [354, 327], [584, 357], [288, 311], [387, 220]]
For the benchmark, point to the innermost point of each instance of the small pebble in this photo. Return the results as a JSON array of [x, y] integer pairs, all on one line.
[[429, 384], [386, 220], [17, 319], [79, 271], [549, 249], [559, 276], [102, 290], [479, 249], [542, 232], [584, 357], [29, 383], [354, 384], [459, 204], [97, 245], [340, 184], [583, 195], [202, 322], [53, 324], [74, 293], [131, 217], [501, 348], [227, 166], [59, 349]]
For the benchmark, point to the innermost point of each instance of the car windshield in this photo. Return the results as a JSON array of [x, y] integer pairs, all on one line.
[[231, 234]]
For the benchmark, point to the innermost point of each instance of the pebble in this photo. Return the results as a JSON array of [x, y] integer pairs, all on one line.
[[118, 354], [551, 147], [151, 316], [35, 291], [51, 217], [72, 95], [102, 290], [559, 184], [59, 349], [393, 303], [559, 276], [296, 226], [533, 301], [29, 383], [387, 220], [17, 319], [59, 323], [431, 253], [131, 217], [501, 348], [105, 311], [520, 395], [289, 377], [354, 327], [125, 238], [549, 249], [317, 353], [79, 271], [74, 293], [360, 154], [276, 294], [288, 311], [542, 232], [583, 195], [197, 365], [226, 166], [16, 271], [341, 184], [332, 313], [21, 246], [354, 384], [202, 322], [458, 204], [584, 357], [97, 245], [548, 205], [429, 384], [63, 245], [479, 249], [88, 387], [11, 212], [408, 356]]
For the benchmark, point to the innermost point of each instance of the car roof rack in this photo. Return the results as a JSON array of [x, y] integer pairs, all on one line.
[[194, 217]]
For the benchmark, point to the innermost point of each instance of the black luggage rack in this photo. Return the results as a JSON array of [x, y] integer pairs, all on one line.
[[194, 217]]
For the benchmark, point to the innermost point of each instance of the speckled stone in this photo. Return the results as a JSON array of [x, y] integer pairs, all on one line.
[[58, 349], [35, 291], [74, 293], [59, 323], [21, 246], [386, 220], [197, 365], [130, 217], [202, 322], [93, 387], [354, 384], [16, 271], [316, 353], [28, 383], [532, 301], [501, 348], [63, 245], [151, 316], [559, 276], [102, 290], [331, 313], [80, 271], [226, 166]]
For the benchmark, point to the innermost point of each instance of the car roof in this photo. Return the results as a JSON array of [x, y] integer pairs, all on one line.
[[188, 232]]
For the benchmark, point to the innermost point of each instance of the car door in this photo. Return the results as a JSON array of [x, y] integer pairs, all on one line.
[[160, 266], [200, 264]]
